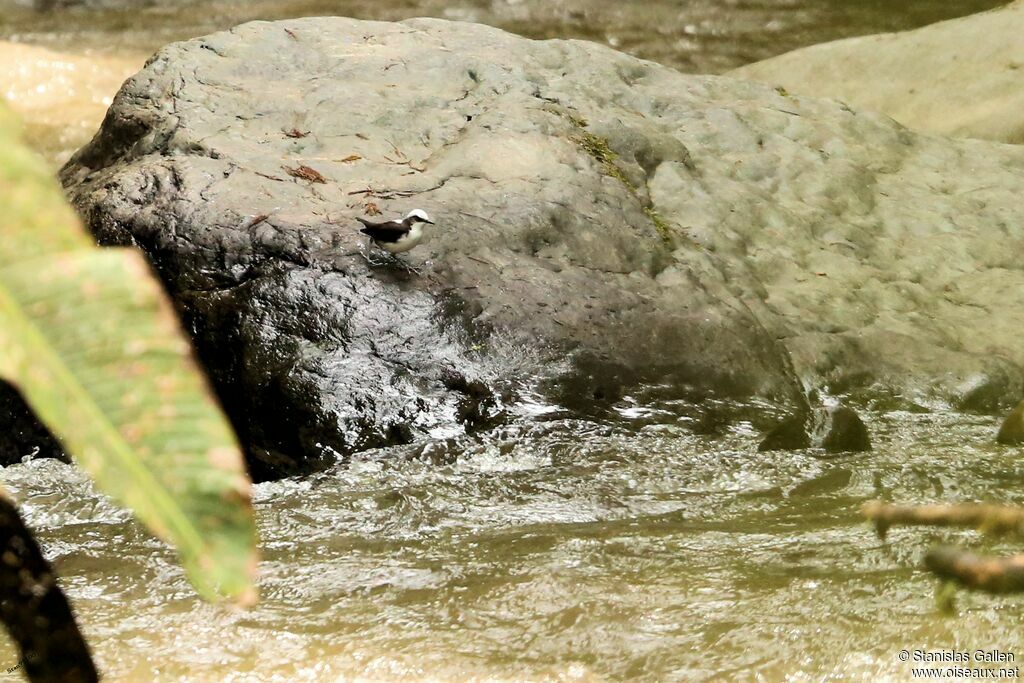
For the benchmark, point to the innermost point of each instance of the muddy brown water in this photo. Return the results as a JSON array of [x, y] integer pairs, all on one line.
[[555, 550], [554, 547]]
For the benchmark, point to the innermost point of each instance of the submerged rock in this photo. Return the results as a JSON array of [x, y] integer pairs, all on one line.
[[960, 77], [601, 219]]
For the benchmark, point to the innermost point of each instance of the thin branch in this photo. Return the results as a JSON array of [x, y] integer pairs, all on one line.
[[988, 574], [990, 519], [34, 609], [393, 194]]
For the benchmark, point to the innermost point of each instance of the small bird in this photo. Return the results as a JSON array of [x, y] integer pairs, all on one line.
[[396, 237]]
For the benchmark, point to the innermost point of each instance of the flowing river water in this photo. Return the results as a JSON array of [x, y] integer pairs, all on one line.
[[553, 547], [555, 550]]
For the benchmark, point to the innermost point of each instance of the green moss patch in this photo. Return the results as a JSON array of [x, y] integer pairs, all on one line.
[[660, 224], [597, 147], [573, 118]]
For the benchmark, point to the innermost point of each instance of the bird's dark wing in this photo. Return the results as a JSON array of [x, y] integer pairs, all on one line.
[[388, 231]]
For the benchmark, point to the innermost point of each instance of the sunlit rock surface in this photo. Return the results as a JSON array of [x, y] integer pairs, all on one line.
[[703, 233], [62, 97], [963, 77]]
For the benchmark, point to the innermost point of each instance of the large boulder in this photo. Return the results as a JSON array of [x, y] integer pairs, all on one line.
[[602, 220], [963, 77]]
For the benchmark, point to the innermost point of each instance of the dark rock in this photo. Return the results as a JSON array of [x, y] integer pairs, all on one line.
[[842, 431], [789, 435], [987, 393], [35, 611], [835, 429], [21, 434], [1011, 432]]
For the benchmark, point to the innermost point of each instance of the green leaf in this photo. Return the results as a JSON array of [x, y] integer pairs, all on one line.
[[91, 341]]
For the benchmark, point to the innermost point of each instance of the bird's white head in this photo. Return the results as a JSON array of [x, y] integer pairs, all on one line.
[[418, 216]]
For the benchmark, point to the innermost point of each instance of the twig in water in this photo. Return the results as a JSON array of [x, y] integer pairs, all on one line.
[[991, 519], [988, 574]]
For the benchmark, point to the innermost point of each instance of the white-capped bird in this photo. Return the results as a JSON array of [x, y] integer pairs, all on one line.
[[396, 236]]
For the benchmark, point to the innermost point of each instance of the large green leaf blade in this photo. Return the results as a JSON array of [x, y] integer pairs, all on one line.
[[90, 340]]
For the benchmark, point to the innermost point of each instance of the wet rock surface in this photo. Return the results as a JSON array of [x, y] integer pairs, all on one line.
[[22, 435], [1011, 432], [602, 220], [789, 435], [843, 431], [833, 428]]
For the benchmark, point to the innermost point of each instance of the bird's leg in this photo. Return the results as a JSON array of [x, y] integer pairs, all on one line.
[[409, 268], [368, 254]]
